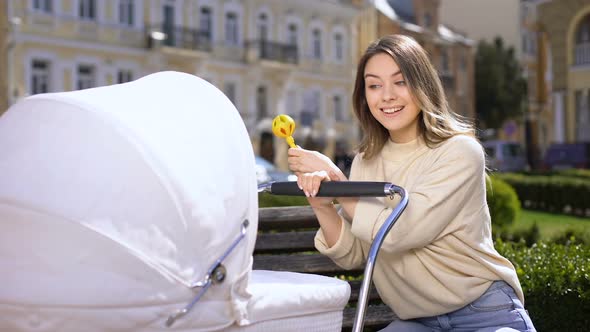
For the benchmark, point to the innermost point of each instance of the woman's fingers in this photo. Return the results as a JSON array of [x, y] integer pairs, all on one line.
[[334, 176], [310, 182]]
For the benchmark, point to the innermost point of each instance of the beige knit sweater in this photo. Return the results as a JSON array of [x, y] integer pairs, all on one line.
[[439, 256]]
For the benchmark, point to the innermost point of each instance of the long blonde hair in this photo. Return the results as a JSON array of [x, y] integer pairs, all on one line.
[[437, 121]]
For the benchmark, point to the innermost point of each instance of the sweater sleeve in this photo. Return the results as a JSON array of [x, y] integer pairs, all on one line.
[[348, 252], [443, 190]]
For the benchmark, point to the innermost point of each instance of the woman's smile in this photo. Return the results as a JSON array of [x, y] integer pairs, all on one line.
[[392, 110]]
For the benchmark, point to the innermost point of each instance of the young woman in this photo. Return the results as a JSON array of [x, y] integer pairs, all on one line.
[[437, 269]]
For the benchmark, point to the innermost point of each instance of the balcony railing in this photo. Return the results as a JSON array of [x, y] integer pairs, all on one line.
[[180, 37], [582, 54], [274, 51]]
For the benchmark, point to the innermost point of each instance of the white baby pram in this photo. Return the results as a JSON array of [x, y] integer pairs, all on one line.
[[133, 207]]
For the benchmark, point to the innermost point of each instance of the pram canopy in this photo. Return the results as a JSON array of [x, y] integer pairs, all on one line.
[[111, 197]]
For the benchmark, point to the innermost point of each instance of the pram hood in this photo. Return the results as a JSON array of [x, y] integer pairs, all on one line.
[[115, 196]]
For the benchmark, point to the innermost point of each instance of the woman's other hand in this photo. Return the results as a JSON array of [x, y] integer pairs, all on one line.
[[310, 184], [303, 161]]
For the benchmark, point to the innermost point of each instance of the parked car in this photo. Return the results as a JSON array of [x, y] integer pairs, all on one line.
[[567, 155], [266, 172], [504, 156]]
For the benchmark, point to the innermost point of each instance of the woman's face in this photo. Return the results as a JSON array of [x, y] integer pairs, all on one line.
[[389, 98]]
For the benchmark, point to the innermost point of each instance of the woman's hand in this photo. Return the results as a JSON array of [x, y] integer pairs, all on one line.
[[310, 184], [306, 161]]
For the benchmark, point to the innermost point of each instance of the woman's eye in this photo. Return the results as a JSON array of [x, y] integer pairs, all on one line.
[[401, 83], [374, 86]]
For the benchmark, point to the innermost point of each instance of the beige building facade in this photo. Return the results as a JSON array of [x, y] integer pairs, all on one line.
[[451, 51], [552, 38], [563, 30], [268, 56]]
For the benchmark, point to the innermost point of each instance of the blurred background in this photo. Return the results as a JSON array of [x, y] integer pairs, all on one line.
[[519, 69]]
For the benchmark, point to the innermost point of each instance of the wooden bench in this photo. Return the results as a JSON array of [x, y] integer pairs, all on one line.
[[285, 242]]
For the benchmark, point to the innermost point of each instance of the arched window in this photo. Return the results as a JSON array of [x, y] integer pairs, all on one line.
[[583, 34], [582, 47]]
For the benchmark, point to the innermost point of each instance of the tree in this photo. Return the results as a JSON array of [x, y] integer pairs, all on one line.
[[499, 86]]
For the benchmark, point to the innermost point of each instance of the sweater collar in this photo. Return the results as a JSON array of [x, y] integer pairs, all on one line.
[[399, 151]]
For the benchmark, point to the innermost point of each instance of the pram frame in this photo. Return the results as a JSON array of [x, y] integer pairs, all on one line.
[[354, 189]]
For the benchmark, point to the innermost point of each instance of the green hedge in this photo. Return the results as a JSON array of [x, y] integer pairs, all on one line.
[[557, 194], [556, 283], [269, 200]]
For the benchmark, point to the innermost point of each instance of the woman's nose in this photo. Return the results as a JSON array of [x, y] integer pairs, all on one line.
[[388, 93]]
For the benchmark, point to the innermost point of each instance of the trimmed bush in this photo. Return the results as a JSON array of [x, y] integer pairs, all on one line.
[[556, 194], [503, 202], [572, 236], [528, 236], [556, 283]]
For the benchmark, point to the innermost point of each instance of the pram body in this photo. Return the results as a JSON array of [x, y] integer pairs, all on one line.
[[115, 202]]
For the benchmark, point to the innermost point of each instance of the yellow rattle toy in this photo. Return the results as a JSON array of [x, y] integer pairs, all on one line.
[[284, 126]]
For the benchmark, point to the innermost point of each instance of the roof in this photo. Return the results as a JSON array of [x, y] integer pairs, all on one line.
[[403, 12]]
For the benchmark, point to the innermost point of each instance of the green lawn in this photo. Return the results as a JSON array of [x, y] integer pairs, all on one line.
[[551, 225]]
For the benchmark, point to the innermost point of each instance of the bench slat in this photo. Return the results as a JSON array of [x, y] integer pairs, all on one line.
[[305, 263], [285, 242], [286, 218]]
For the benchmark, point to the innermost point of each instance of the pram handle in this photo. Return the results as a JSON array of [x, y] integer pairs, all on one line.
[[331, 189], [354, 189]]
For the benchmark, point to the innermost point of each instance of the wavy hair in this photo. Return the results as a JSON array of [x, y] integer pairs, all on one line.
[[437, 121]]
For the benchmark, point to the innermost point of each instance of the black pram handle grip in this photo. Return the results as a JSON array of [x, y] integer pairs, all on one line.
[[335, 189]]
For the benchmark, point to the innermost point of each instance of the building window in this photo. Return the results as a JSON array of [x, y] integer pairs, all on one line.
[[262, 27], [292, 102], [45, 6], [261, 103], [40, 74], [338, 109], [583, 35], [86, 77], [126, 12], [311, 108], [231, 28], [463, 60], [444, 61], [87, 9], [292, 34], [582, 48], [230, 91], [206, 23], [338, 47], [124, 76], [316, 44]]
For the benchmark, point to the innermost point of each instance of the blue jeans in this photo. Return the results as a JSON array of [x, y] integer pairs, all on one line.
[[498, 309]]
